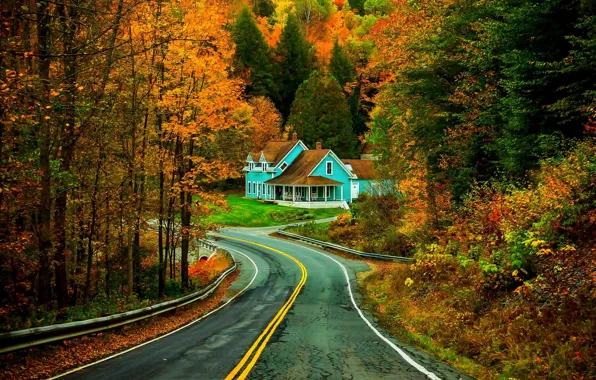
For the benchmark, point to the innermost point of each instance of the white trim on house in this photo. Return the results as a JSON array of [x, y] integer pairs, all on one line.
[[249, 158], [327, 167], [341, 164], [287, 154]]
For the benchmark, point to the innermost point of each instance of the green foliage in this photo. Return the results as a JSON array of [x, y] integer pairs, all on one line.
[[263, 8], [514, 92], [310, 10], [320, 113], [357, 5], [252, 53], [378, 7], [296, 62], [366, 23], [341, 66]]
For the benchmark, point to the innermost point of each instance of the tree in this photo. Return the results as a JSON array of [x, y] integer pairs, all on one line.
[[252, 53], [320, 113], [296, 62], [378, 7], [265, 122], [313, 10], [341, 66]]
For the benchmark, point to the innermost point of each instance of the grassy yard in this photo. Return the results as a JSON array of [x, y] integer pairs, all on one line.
[[252, 213]]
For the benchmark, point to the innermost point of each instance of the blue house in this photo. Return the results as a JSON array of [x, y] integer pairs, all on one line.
[[290, 174]]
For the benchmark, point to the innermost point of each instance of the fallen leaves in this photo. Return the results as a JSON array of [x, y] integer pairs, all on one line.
[[48, 360]]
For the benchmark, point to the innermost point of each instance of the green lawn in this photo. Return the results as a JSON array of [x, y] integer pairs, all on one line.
[[252, 213]]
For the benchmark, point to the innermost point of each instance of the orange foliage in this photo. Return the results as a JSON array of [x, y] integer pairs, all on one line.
[[323, 33], [265, 122], [271, 34]]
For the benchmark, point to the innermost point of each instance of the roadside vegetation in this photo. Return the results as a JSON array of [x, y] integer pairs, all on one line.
[[201, 273], [246, 212], [510, 281]]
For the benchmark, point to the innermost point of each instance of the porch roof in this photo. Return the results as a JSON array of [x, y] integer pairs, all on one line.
[[304, 181]]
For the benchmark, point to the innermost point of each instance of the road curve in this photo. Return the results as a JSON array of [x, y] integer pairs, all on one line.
[[323, 335]]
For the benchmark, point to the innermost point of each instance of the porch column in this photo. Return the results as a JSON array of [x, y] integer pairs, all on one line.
[[293, 193], [308, 195], [325, 193]]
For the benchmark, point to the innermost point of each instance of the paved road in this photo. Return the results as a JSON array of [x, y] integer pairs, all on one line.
[[322, 335]]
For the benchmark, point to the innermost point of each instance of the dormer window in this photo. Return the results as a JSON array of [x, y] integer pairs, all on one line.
[[329, 168], [283, 166]]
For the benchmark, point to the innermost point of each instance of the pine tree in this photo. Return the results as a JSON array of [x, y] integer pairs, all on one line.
[[320, 113], [296, 63], [252, 53], [341, 66]]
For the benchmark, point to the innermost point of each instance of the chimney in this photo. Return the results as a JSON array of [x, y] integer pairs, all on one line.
[[294, 136], [319, 146]]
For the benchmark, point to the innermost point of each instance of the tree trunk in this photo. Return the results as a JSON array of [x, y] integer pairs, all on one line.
[[68, 141], [185, 216], [45, 204], [131, 176], [107, 242], [92, 231]]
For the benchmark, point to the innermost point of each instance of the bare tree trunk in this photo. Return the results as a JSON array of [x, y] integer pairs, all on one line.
[[45, 204], [131, 176], [92, 231], [108, 248], [185, 216], [68, 141]]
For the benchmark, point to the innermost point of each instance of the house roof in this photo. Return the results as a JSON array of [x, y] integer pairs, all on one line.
[[298, 172], [274, 151], [364, 169]]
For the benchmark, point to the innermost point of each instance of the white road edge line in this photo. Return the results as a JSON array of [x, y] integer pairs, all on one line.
[[171, 332], [390, 343]]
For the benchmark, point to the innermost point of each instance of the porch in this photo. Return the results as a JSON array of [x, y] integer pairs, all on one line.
[[305, 196]]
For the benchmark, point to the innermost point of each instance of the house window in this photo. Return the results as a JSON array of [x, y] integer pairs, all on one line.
[[328, 188], [283, 166], [329, 168], [249, 186], [265, 165], [254, 187]]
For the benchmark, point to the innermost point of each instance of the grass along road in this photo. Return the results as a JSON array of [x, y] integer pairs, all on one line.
[[252, 213]]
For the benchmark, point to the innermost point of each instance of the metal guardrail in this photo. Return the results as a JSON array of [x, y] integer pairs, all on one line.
[[345, 249], [207, 245], [15, 340]]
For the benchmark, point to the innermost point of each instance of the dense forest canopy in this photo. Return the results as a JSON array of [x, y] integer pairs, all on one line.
[[122, 121]]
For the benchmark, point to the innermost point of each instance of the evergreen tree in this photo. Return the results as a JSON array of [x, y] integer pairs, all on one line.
[[296, 63], [252, 53], [263, 8], [341, 66], [320, 113]]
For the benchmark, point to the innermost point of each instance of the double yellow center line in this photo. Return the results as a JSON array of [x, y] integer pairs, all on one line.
[[259, 345]]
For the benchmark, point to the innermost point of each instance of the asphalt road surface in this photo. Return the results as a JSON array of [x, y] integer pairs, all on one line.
[[296, 319]]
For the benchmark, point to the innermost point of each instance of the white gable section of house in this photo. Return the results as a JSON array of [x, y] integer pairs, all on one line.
[[249, 158]]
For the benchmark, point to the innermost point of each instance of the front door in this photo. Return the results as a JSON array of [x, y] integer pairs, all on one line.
[[355, 190]]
